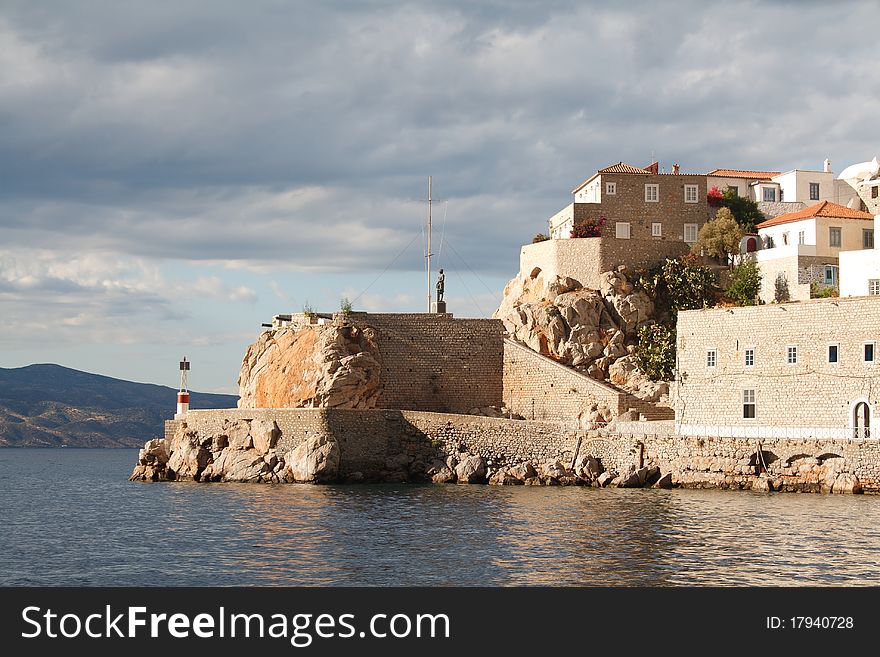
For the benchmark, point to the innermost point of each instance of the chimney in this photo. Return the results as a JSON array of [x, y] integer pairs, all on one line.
[[827, 166], [675, 169]]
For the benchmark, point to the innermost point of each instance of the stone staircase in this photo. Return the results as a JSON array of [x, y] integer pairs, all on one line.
[[604, 390]]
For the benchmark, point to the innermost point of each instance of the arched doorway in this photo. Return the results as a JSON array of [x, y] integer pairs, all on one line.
[[862, 420]]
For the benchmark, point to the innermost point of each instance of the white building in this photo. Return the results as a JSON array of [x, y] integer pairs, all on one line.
[[860, 270], [801, 249]]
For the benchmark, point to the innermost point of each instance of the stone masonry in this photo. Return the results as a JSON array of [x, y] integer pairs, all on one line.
[[585, 259], [433, 362], [628, 204], [813, 397], [375, 443], [539, 388]]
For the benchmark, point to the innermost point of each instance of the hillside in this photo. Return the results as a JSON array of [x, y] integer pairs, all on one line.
[[49, 406]]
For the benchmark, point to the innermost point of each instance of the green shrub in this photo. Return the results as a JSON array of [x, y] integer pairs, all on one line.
[[745, 283], [655, 355]]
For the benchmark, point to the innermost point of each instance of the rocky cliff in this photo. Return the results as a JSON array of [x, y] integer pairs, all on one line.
[[324, 366], [594, 331]]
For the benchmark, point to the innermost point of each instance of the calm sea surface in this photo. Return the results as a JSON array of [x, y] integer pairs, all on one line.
[[71, 517]]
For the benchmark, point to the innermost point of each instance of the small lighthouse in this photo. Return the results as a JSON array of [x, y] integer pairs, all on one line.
[[183, 393]]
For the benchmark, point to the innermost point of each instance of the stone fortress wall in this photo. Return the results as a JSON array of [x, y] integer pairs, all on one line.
[[585, 259], [434, 362], [374, 442]]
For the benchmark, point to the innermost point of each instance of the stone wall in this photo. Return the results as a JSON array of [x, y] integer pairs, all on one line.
[[810, 465], [775, 208], [373, 441], [584, 259], [374, 444], [434, 362], [789, 269], [539, 388], [811, 398]]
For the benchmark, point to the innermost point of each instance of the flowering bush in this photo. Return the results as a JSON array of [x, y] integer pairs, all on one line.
[[715, 197], [588, 228]]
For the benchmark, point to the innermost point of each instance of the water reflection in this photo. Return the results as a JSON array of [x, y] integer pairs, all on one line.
[[71, 517]]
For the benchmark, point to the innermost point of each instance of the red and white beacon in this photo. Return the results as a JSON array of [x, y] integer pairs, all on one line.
[[183, 393]]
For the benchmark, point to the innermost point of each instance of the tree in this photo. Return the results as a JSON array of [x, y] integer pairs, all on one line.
[[655, 355], [682, 284], [746, 283], [720, 237], [745, 210]]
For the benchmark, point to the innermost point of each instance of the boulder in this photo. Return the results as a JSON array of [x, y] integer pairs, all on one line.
[[238, 434], [265, 434], [314, 460], [523, 471], [187, 456], [470, 470], [154, 452], [604, 479], [320, 366], [664, 481], [237, 465], [846, 483]]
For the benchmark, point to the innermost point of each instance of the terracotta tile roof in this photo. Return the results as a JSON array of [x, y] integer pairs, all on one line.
[[739, 173], [823, 209], [620, 167]]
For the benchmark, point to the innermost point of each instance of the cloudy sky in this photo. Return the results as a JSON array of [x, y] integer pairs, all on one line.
[[172, 174]]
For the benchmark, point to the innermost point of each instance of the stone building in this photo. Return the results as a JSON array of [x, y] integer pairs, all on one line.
[[663, 209], [794, 370], [801, 249]]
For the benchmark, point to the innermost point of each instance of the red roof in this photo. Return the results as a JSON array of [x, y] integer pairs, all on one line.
[[620, 167], [739, 173], [823, 209]]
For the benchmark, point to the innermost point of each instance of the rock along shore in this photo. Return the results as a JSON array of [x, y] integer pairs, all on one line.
[[343, 446]]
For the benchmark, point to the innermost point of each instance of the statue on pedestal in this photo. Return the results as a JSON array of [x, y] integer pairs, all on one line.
[[440, 285]]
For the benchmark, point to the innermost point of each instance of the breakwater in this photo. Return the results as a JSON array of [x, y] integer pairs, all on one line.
[[394, 445]]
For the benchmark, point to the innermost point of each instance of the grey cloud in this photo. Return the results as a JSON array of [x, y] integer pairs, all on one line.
[[158, 130]]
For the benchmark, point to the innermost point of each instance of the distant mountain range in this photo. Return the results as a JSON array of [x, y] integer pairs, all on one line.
[[50, 406]]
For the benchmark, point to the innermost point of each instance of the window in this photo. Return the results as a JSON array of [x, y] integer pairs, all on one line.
[[711, 358], [652, 193], [874, 287], [833, 353], [750, 357], [791, 355], [867, 238], [769, 194], [690, 233], [814, 191], [834, 237], [656, 229], [769, 243], [621, 230], [734, 189], [869, 352], [785, 238], [611, 188], [690, 193], [749, 405], [874, 192], [829, 274], [802, 237]]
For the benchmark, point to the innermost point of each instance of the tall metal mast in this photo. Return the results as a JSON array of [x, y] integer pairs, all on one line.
[[429, 244]]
